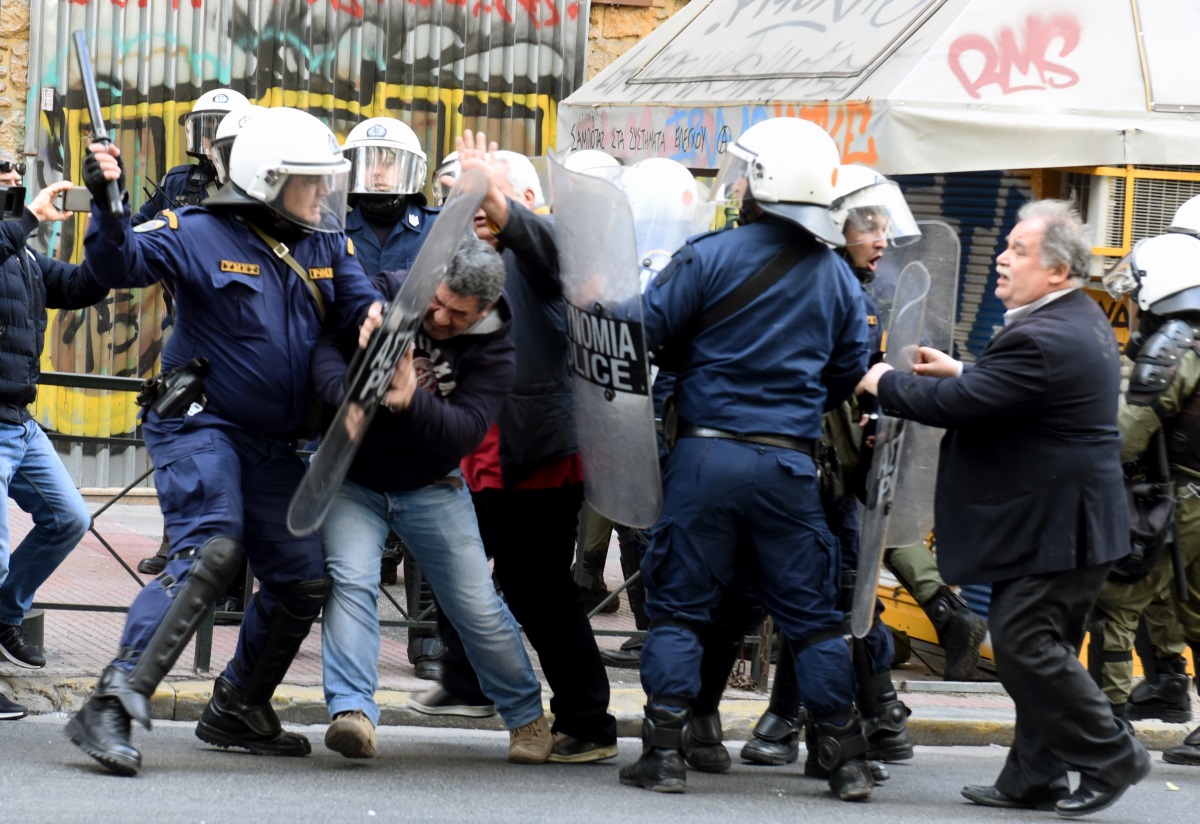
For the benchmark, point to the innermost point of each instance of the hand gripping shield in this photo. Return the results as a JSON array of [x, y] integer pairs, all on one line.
[[610, 370], [372, 368], [903, 337]]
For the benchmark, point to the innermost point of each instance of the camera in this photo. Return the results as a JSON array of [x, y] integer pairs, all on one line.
[[76, 199], [12, 202]]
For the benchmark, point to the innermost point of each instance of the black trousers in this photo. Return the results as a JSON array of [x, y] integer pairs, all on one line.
[[1064, 722], [530, 535]]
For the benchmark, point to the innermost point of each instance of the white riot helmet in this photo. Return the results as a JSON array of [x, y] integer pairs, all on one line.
[[586, 161], [449, 167], [385, 157], [200, 124], [668, 207], [1187, 218], [289, 161], [1163, 274], [788, 166], [222, 144], [868, 202]]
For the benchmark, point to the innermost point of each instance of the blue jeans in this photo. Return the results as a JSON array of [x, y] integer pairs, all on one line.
[[34, 477], [437, 523]]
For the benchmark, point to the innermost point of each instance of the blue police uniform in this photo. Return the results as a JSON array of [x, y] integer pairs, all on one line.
[[230, 470], [772, 368], [400, 249]]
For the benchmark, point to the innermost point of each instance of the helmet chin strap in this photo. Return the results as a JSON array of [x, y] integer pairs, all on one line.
[[864, 275], [383, 209]]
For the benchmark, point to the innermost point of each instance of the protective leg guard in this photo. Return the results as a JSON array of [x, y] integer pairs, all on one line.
[[101, 727], [243, 717], [1165, 697], [703, 747], [217, 561], [299, 606], [887, 727], [960, 632], [776, 741], [660, 767], [840, 746], [230, 720]]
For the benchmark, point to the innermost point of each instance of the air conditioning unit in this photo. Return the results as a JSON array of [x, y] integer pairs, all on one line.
[[1101, 200]]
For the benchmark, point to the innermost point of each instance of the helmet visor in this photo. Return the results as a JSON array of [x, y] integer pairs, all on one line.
[[200, 129], [385, 170], [451, 169], [731, 185], [315, 201], [221, 150], [875, 213], [1120, 280]]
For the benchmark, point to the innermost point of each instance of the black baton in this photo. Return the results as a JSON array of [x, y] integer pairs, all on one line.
[[99, 132]]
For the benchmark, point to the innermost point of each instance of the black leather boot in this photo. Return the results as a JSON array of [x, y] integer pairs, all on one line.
[[887, 727], [1165, 697], [812, 764], [1186, 753], [229, 720], [703, 746], [101, 728], [959, 631], [661, 766], [776, 741], [840, 747]]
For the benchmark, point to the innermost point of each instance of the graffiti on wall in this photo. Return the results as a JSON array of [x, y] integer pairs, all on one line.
[[500, 66], [1017, 60]]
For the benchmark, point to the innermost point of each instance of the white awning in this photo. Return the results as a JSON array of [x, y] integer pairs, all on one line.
[[908, 86]]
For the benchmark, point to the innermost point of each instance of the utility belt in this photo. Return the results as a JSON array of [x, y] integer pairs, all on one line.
[[173, 393], [805, 445]]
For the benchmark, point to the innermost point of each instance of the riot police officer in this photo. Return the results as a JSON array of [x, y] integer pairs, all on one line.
[[751, 389], [188, 184], [1159, 416], [388, 225], [871, 212], [259, 269]]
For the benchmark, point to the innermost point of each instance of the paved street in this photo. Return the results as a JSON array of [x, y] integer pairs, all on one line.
[[461, 776]]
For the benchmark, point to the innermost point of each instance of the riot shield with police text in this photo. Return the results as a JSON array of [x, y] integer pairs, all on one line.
[[610, 368], [903, 337]]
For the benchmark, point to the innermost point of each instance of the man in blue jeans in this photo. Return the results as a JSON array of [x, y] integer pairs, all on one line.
[[443, 398], [30, 470]]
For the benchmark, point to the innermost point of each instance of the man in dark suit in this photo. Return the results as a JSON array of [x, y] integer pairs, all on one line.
[[1030, 499]]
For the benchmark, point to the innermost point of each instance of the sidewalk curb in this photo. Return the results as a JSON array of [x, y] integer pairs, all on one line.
[[185, 701]]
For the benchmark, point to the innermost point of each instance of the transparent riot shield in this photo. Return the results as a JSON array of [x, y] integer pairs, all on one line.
[[912, 509], [938, 249], [599, 266], [903, 337]]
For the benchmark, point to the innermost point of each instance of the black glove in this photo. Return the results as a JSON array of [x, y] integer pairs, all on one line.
[[93, 178]]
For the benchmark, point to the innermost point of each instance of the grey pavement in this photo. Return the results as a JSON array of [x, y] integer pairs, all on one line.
[[80, 643]]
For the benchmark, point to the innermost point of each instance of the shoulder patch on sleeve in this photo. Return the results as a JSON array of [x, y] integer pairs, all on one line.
[[684, 255], [171, 218], [150, 225], [349, 246]]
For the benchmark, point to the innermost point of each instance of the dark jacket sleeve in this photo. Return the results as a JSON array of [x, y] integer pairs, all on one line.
[[328, 370], [456, 424], [1009, 381], [68, 285], [13, 233], [849, 359], [531, 239]]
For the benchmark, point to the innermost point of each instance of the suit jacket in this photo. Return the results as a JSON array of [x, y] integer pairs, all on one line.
[[1029, 480]]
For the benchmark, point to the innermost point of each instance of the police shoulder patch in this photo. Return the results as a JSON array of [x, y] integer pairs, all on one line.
[[321, 272], [349, 246], [872, 320], [150, 225]]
